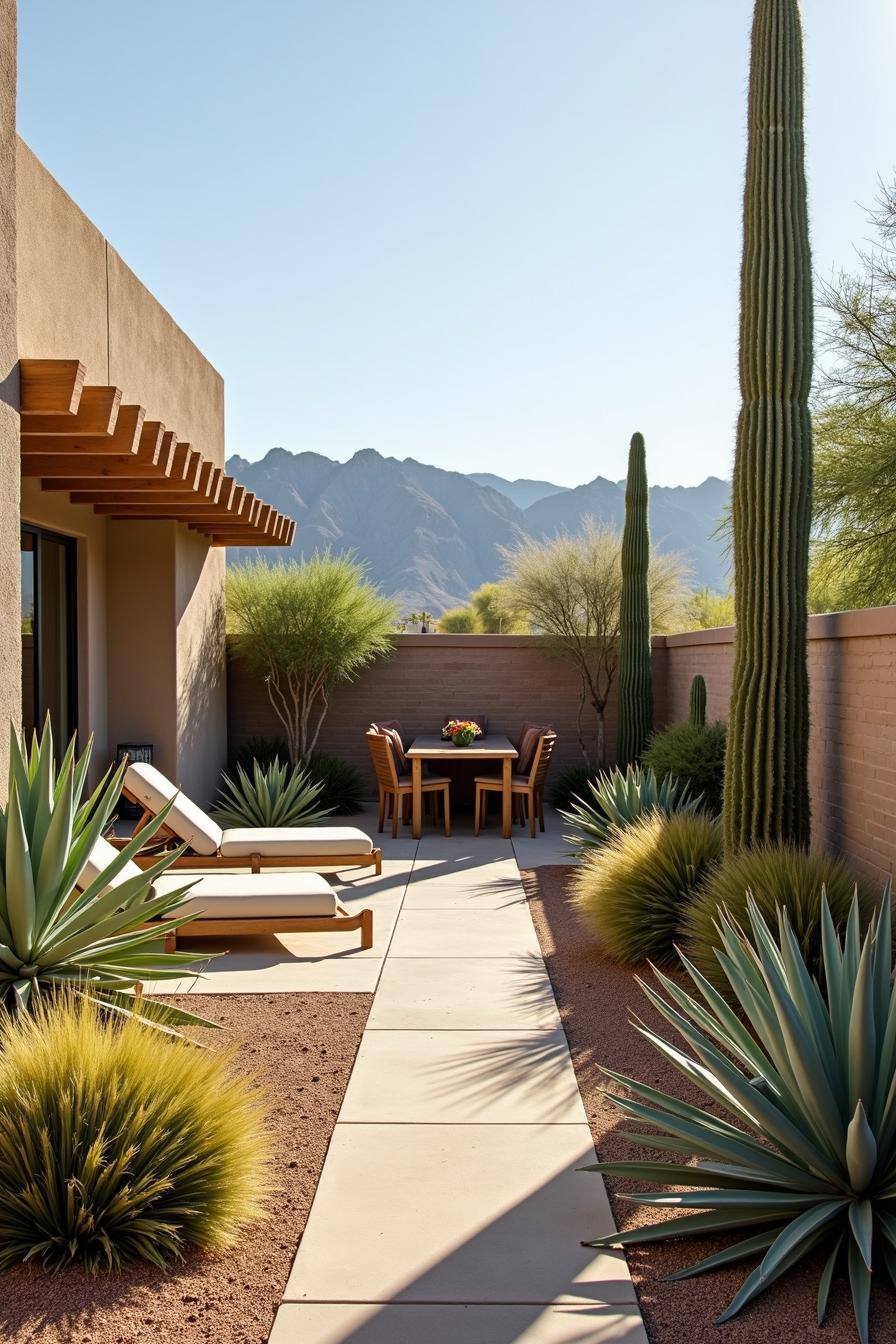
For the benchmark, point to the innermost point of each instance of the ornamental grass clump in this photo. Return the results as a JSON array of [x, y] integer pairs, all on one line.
[[275, 795], [776, 876], [118, 1144], [620, 799], [631, 893], [802, 1157], [694, 754]]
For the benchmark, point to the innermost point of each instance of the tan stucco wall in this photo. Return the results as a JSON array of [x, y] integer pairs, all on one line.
[[10, 593], [78, 299], [151, 593]]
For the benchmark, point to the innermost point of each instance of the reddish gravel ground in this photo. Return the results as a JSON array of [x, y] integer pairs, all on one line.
[[302, 1047], [596, 999]]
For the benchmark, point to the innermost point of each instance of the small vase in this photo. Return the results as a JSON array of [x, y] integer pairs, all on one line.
[[464, 740]]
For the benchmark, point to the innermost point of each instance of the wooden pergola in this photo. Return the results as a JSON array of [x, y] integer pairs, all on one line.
[[81, 438]]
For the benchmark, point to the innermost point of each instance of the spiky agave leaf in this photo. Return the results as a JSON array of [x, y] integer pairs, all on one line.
[[103, 939], [620, 799], [276, 795], [809, 1153]]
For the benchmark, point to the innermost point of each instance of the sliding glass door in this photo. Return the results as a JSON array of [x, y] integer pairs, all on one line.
[[49, 662]]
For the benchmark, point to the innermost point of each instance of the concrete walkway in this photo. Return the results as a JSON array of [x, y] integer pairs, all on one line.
[[450, 1210]]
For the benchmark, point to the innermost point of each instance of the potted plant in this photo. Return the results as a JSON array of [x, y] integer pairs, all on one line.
[[461, 732], [427, 622], [414, 623]]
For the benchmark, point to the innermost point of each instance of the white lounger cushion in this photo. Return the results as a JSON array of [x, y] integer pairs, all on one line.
[[226, 895], [188, 821], [251, 895], [204, 837], [298, 840]]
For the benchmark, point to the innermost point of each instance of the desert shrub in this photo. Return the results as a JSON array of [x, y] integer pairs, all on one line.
[[617, 800], [631, 893], [264, 750], [279, 795], [118, 1144], [570, 785], [778, 877], [794, 1154], [342, 787], [692, 754]]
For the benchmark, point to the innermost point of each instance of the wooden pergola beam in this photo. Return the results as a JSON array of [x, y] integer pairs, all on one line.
[[125, 438], [96, 415], [50, 386]]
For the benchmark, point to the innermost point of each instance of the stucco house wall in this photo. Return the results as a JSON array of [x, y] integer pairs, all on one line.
[[10, 596]]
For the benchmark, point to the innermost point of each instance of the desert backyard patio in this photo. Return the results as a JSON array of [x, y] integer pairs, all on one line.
[[457, 1144]]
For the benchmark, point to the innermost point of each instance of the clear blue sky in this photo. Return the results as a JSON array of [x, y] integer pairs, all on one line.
[[490, 234]]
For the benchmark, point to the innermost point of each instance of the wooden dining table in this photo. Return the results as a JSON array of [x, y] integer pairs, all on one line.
[[491, 747]]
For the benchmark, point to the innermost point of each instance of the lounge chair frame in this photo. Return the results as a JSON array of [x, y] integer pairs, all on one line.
[[255, 862], [342, 922]]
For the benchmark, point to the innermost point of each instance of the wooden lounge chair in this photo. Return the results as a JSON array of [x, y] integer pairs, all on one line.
[[240, 904], [397, 789], [527, 790], [317, 847]]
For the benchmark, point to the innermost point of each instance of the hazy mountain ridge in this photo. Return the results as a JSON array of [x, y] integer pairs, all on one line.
[[430, 536]]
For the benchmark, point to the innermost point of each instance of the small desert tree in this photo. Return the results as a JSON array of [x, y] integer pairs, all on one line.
[[305, 628], [569, 589]]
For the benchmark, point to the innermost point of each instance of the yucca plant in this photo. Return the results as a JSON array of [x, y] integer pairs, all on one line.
[[807, 1160], [53, 934], [276, 795], [619, 800], [117, 1144]]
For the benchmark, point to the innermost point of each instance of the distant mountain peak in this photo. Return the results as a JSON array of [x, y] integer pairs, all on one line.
[[429, 536]]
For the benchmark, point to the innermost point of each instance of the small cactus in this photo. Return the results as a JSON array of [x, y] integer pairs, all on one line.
[[698, 702], [635, 688]]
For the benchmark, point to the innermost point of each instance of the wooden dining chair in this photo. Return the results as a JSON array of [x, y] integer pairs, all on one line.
[[527, 790], [396, 789]]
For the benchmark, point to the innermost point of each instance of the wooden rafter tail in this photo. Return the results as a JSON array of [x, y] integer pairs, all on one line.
[[124, 439], [50, 386], [96, 415]]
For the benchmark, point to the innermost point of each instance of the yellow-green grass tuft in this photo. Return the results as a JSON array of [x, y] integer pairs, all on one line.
[[778, 875], [118, 1144], [632, 892]]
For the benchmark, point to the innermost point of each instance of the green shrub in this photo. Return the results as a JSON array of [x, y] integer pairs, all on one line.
[[118, 1144], [632, 892], [570, 786], [776, 876], [279, 795], [264, 750], [342, 787], [797, 1153], [618, 800], [694, 754], [53, 933]]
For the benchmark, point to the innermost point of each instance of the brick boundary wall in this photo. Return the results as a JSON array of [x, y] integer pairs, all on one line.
[[852, 753], [852, 669]]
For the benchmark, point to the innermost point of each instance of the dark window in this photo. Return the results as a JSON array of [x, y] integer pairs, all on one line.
[[49, 660]]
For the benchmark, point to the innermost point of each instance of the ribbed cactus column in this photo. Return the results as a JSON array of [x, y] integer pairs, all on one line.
[[766, 787], [698, 702], [635, 711]]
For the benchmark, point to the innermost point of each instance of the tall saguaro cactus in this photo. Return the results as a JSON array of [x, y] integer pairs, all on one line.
[[635, 713], [766, 785], [698, 702]]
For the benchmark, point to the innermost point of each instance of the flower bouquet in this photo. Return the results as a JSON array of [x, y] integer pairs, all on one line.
[[461, 732]]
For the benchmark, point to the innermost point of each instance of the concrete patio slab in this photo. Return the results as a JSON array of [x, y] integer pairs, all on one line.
[[466, 1077], [462, 891], [465, 933], [343, 1323], [458, 1213], [480, 994]]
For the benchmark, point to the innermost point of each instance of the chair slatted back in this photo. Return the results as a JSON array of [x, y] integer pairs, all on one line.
[[382, 753], [541, 761]]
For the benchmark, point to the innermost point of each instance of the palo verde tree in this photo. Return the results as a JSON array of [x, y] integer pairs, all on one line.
[[635, 697], [766, 777], [305, 628], [569, 589]]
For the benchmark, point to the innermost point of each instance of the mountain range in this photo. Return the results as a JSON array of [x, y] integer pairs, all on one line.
[[430, 536]]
